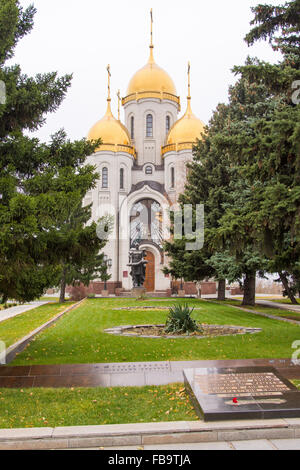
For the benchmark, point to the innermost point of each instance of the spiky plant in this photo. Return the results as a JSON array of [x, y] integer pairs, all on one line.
[[180, 320]]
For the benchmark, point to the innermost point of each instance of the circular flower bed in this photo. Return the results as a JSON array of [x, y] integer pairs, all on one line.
[[158, 331]]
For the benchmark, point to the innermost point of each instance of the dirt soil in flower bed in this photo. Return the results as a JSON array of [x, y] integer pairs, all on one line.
[[208, 330]]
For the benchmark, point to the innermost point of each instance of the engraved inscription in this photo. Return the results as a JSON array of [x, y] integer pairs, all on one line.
[[241, 384]]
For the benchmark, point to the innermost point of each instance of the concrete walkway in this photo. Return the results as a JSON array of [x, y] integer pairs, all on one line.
[[257, 444], [14, 311], [124, 374], [269, 303]]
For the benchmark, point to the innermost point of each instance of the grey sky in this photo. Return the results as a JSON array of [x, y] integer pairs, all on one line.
[[82, 37]]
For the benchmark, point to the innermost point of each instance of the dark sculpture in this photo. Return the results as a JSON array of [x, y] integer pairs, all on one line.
[[138, 266]]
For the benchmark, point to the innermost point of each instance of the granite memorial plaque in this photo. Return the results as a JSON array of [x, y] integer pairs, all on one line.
[[241, 393]]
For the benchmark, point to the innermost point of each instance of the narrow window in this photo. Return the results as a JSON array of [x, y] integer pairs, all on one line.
[[167, 124], [148, 170], [105, 177], [149, 125], [172, 177], [122, 178], [132, 127]]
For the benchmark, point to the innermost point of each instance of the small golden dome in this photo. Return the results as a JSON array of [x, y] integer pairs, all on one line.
[[151, 78], [186, 129], [110, 130]]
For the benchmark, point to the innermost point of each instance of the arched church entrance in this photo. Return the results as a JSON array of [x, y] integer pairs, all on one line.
[[145, 230], [149, 283]]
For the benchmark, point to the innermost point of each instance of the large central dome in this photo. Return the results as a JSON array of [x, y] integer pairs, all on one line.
[[151, 77]]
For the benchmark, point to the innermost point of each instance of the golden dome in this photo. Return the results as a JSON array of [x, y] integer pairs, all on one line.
[[187, 129], [151, 78], [110, 130], [114, 135]]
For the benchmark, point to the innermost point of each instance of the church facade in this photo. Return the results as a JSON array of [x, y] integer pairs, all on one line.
[[142, 168]]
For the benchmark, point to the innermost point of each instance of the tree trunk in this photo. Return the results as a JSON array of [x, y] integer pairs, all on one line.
[[249, 289], [63, 286], [285, 283], [4, 299], [221, 289]]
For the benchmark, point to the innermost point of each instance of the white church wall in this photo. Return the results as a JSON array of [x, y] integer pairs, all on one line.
[[106, 201], [178, 161], [149, 148]]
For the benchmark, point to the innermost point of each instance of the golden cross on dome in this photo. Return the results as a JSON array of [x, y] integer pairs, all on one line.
[[189, 80], [151, 38], [109, 75], [119, 101]]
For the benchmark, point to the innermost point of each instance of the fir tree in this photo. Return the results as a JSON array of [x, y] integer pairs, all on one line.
[[40, 184]]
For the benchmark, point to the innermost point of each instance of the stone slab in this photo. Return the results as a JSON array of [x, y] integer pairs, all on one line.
[[191, 446], [259, 444], [241, 393], [179, 434], [121, 374], [286, 444], [25, 433], [121, 429]]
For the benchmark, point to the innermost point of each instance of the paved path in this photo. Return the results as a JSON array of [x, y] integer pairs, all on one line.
[[269, 303], [125, 373], [258, 444], [14, 311]]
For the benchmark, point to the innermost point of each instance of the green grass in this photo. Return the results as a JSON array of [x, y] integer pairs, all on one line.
[[13, 329], [78, 336], [38, 407], [49, 299], [260, 308]]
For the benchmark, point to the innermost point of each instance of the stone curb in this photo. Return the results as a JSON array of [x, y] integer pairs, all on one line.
[[147, 433], [20, 345], [121, 331]]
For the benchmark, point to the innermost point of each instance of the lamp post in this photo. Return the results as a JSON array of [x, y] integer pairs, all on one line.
[[108, 264]]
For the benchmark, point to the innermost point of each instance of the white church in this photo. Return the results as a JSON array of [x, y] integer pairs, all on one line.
[[142, 168]]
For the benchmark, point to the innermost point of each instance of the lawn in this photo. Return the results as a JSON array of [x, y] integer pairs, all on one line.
[[263, 308], [88, 406], [78, 336], [13, 329]]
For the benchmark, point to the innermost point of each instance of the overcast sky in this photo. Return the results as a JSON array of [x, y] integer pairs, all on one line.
[[82, 37]]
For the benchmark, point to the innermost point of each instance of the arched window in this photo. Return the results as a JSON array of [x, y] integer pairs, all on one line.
[[168, 124], [146, 223], [122, 178], [149, 125], [172, 177], [132, 127], [105, 177], [148, 170]]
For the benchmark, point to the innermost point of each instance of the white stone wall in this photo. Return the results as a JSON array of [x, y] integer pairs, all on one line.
[[178, 161], [107, 200], [140, 175], [149, 148]]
